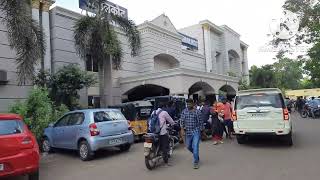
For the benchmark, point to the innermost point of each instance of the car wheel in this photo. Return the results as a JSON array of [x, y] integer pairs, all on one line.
[[34, 176], [241, 139], [289, 140], [125, 147], [85, 152], [46, 147]]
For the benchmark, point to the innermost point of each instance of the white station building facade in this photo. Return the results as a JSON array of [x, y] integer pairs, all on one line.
[[199, 61]]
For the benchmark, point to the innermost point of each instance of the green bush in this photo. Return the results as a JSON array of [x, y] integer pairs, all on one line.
[[38, 111]]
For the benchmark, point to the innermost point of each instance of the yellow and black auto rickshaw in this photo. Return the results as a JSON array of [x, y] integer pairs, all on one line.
[[137, 113]]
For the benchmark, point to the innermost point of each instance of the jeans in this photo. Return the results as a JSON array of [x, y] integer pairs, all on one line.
[[229, 124], [164, 147], [192, 142]]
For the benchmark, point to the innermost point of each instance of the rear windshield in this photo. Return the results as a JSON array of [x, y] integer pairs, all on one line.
[[102, 116], [259, 100], [8, 127]]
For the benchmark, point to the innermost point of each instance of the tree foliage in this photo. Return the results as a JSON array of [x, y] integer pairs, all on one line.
[[65, 84], [96, 35], [38, 110], [25, 36], [309, 32]]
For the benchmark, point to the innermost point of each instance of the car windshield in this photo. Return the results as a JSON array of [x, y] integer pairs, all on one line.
[[259, 100], [102, 116], [8, 127]]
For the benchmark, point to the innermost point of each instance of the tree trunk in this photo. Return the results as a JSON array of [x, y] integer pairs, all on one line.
[[105, 83], [41, 26], [101, 85], [107, 64]]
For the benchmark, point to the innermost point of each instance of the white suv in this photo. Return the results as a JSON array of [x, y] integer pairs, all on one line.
[[261, 112]]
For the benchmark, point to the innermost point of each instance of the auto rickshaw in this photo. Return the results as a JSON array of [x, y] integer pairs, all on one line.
[[137, 113]]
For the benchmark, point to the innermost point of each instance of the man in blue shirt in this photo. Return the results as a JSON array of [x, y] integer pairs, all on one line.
[[192, 124]]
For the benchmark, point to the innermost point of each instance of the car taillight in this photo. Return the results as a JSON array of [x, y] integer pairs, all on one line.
[[234, 115], [148, 140], [285, 114], [94, 130], [26, 141]]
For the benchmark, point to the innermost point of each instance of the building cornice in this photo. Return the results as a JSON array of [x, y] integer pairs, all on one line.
[[178, 72], [243, 44], [66, 12], [230, 30], [152, 26], [212, 26]]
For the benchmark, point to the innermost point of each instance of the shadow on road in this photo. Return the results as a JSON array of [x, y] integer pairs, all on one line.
[[266, 142]]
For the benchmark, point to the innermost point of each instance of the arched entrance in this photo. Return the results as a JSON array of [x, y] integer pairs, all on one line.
[[143, 91], [227, 91], [234, 62], [164, 62], [202, 91]]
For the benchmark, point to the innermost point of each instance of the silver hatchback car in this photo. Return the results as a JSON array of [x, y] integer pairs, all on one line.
[[88, 131]]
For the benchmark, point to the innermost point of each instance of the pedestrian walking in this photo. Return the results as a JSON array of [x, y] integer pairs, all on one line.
[[217, 124], [227, 110], [192, 124]]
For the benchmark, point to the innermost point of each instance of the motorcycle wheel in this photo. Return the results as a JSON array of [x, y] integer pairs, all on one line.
[[304, 114], [149, 163]]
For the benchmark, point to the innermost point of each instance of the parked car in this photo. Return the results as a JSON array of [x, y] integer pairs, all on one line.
[[88, 131], [19, 151], [261, 112]]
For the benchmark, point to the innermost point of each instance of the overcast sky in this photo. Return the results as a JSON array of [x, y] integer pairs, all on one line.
[[250, 18]]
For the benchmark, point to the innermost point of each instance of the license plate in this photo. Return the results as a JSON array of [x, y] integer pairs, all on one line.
[[258, 115], [1, 167], [147, 145], [115, 141]]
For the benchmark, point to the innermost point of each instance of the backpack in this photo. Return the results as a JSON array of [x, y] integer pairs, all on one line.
[[154, 123]]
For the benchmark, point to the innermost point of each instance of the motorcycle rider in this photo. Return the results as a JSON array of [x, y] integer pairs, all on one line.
[[164, 118]]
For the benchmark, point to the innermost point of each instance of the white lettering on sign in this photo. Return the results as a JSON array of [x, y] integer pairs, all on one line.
[[106, 6]]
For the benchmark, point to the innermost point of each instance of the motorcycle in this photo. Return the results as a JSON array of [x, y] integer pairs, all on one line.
[[306, 112], [152, 151]]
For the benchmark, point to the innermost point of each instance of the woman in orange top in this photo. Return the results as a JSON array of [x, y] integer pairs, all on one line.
[[217, 125]]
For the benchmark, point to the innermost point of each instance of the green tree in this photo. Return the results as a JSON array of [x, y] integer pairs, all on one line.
[[38, 110], [263, 77], [65, 84], [288, 73], [96, 36], [25, 36], [309, 32]]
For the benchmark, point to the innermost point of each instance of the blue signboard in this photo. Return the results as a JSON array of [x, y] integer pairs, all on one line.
[[189, 42], [106, 6]]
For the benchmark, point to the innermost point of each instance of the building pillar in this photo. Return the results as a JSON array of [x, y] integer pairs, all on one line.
[[207, 45], [45, 5]]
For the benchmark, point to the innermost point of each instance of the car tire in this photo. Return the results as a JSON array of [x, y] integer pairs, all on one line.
[[125, 147], [288, 139], [85, 152], [241, 139], [34, 176], [45, 146]]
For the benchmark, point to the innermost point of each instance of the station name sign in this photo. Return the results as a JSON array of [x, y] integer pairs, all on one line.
[[106, 6], [189, 42]]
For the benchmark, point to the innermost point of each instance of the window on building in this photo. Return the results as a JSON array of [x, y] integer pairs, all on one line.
[[91, 65], [94, 101]]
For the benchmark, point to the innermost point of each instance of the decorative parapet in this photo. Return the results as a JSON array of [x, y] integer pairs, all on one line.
[[178, 72], [45, 4]]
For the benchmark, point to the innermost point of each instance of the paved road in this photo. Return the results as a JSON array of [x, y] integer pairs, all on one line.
[[262, 159]]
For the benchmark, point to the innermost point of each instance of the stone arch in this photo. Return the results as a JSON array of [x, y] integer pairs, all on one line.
[[142, 91], [227, 91], [164, 62], [202, 90], [234, 62]]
